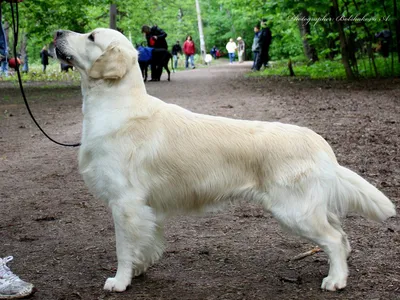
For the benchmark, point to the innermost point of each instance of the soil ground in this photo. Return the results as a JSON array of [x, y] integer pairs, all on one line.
[[62, 239]]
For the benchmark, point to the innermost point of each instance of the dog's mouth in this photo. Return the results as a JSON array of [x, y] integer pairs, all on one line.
[[63, 56]]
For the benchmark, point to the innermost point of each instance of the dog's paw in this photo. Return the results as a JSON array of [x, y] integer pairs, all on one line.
[[114, 285], [331, 283]]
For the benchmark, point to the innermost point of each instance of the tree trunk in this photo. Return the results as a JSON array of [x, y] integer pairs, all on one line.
[[343, 44], [201, 34], [369, 44], [290, 66], [328, 28], [113, 16], [305, 31], [351, 41]]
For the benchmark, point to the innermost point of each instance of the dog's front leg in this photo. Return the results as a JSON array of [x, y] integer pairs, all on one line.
[[135, 229]]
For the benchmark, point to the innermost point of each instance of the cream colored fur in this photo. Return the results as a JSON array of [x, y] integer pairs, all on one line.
[[148, 159]]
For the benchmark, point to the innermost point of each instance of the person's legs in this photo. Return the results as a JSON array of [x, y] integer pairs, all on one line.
[[240, 56], [11, 286], [255, 59], [3, 41], [266, 57], [4, 67], [259, 61], [3, 49], [230, 57], [186, 61], [175, 58], [192, 61]]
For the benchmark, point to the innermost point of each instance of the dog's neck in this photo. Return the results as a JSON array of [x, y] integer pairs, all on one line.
[[113, 102], [111, 94]]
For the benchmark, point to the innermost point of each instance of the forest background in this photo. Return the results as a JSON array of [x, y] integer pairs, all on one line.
[[338, 36]]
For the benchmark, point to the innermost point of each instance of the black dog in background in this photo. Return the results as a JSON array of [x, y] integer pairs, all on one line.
[[159, 57], [65, 67]]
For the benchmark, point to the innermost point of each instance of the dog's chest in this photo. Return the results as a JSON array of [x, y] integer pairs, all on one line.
[[101, 171]]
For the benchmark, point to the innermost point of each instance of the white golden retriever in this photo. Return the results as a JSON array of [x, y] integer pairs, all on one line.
[[148, 159]]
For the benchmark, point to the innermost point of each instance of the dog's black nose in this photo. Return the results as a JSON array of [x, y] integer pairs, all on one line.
[[59, 33]]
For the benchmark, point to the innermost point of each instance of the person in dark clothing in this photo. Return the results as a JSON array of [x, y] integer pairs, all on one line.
[[213, 52], [264, 41], [255, 47], [44, 55], [384, 42], [176, 51], [3, 48], [155, 37]]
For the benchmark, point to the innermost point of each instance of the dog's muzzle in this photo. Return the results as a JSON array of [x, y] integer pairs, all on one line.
[[59, 44]]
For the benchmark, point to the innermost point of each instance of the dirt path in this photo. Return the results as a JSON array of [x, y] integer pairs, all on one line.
[[63, 239]]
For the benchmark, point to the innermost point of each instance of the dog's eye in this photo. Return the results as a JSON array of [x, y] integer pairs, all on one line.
[[91, 37]]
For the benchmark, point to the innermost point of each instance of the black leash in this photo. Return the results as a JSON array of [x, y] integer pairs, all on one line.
[[15, 32]]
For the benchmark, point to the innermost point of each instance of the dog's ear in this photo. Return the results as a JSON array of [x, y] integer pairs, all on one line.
[[112, 64]]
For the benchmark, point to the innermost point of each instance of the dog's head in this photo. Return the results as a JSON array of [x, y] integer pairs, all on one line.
[[100, 54]]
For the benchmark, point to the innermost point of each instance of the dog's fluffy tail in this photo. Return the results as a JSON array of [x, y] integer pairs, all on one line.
[[355, 194]]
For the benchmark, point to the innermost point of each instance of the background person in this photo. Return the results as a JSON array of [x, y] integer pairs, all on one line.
[[155, 36], [44, 56], [176, 51], [213, 52], [3, 48], [255, 47], [241, 49], [189, 49], [231, 48], [384, 42], [264, 42], [25, 64]]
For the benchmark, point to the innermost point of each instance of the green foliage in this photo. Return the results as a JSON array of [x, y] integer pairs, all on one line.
[[320, 70], [222, 19], [328, 69]]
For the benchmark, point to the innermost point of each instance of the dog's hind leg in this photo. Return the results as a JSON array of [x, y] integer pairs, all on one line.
[[302, 212], [335, 222], [135, 229]]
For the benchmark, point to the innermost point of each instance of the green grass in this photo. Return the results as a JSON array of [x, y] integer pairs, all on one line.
[[328, 69], [53, 74]]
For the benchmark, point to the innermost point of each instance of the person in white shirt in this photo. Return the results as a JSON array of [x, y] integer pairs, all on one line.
[[231, 48]]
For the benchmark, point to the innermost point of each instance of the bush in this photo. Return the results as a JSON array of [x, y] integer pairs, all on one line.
[[329, 69], [53, 73]]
